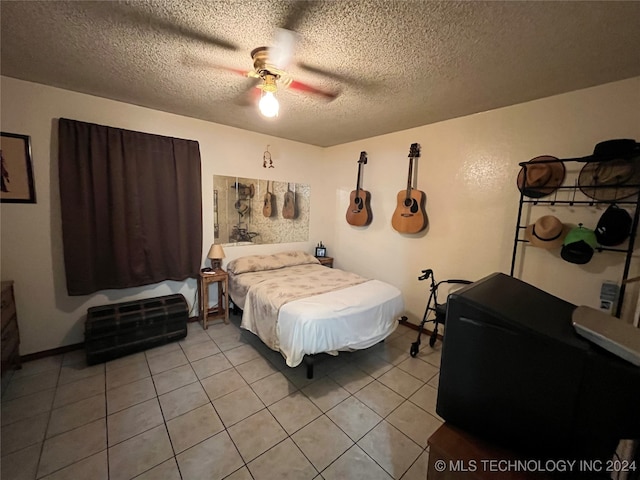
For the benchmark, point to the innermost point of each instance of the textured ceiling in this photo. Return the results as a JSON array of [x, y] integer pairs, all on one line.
[[398, 64]]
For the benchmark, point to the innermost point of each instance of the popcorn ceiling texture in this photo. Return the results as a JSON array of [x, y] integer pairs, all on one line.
[[399, 63]]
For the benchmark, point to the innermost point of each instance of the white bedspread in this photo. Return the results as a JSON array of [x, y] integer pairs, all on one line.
[[350, 318]]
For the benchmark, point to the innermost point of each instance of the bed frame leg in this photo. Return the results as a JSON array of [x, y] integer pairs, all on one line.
[[308, 361]]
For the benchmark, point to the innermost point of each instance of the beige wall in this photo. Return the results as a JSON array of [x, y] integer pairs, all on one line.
[[31, 236], [468, 170]]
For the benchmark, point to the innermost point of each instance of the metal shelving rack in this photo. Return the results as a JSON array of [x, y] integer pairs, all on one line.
[[573, 189]]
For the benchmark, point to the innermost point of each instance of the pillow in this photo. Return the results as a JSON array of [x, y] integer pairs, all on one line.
[[289, 259], [254, 263]]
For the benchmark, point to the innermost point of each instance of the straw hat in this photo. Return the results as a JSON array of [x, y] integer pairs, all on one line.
[[547, 232], [541, 179], [611, 179]]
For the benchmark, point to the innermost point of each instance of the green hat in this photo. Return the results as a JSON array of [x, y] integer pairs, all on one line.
[[579, 245]]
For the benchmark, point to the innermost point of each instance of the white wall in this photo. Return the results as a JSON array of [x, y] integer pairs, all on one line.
[[31, 233], [468, 170]]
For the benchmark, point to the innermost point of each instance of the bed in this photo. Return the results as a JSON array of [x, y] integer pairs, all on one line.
[[300, 308]]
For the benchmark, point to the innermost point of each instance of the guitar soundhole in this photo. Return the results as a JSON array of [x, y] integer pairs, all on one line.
[[358, 202], [411, 204]]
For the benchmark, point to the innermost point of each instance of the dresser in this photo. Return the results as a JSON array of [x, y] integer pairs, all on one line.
[[10, 335]]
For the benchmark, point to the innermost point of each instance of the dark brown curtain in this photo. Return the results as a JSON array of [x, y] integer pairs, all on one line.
[[131, 207]]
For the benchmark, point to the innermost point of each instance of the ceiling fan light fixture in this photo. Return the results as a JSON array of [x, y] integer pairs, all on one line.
[[268, 104]]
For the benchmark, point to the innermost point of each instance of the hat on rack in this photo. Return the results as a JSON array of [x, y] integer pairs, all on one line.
[[618, 148], [613, 171], [579, 245], [537, 179], [614, 226], [547, 232]]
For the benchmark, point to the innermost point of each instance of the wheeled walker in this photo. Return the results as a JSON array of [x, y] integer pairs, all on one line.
[[439, 310]]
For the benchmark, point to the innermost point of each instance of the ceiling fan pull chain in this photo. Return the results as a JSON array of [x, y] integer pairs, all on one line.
[[267, 156]]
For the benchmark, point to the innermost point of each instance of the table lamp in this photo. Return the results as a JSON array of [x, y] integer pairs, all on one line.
[[216, 254]]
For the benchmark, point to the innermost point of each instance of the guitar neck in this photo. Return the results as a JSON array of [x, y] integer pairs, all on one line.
[[409, 177], [358, 182]]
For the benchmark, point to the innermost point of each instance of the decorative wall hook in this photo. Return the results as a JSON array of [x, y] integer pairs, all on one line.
[[266, 157]]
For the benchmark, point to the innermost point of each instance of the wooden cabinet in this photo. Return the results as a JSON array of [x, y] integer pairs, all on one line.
[[10, 335], [326, 261], [457, 455]]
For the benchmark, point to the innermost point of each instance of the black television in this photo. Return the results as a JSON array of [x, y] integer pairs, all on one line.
[[514, 372]]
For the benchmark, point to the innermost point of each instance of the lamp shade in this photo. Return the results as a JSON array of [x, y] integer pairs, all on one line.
[[216, 252]]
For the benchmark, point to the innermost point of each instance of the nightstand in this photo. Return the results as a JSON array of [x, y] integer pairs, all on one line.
[[326, 261], [221, 310]]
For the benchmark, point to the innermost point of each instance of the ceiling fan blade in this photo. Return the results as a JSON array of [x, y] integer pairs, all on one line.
[[131, 13], [250, 93], [192, 61], [346, 79], [297, 11], [303, 87], [281, 53]]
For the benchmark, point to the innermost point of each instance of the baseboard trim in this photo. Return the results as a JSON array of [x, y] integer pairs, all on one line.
[[50, 353], [68, 348]]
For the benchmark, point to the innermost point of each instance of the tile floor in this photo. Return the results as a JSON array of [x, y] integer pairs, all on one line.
[[219, 404]]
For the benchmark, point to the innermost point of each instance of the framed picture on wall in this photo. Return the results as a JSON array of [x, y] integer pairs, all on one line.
[[17, 171]]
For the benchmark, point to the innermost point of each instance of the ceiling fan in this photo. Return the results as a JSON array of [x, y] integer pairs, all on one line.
[[269, 73]]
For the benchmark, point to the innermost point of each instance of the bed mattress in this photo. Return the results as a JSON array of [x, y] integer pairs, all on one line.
[[355, 314]]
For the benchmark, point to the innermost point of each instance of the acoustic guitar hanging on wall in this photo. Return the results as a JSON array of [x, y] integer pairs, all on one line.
[[289, 207], [268, 208], [410, 215], [359, 210]]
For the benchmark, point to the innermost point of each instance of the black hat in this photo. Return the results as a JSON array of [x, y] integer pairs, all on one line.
[[579, 245], [614, 226]]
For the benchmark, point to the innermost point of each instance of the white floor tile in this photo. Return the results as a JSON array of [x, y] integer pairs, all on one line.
[[256, 434], [193, 427], [213, 459], [220, 404], [284, 460], [139, 454], [69, 447]]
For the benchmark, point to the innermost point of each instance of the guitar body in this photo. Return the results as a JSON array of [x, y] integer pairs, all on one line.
[[267, 209], [359, 210], [289, 207], [410, 215]]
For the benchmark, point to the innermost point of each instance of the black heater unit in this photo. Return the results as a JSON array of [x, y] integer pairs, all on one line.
[[112, 331]]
